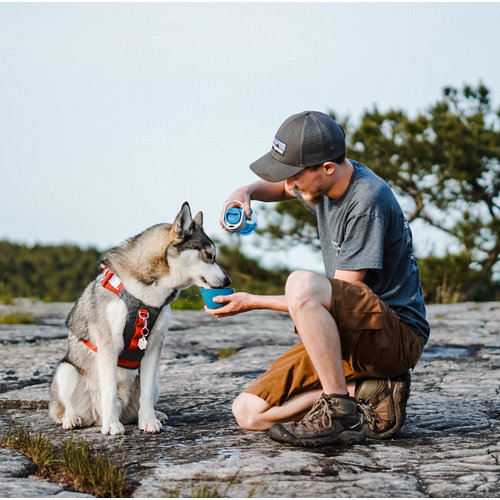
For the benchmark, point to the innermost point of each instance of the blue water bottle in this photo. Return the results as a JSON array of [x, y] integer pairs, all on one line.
[[235, 219]]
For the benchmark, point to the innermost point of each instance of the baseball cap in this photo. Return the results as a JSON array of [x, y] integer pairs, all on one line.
[[304, 140]]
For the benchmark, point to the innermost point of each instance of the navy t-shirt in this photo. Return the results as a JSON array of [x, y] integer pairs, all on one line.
[[366, 229]]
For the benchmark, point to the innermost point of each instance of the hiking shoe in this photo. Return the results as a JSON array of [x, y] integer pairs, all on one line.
[[382, 403], [332, 420]]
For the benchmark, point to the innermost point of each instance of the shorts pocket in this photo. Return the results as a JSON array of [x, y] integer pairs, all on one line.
[[359, 321], [356, 308]]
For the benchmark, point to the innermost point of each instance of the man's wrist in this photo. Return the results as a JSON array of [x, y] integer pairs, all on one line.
[[250, 189]]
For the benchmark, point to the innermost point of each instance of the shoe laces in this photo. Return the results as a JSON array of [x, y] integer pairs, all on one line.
[[323, 410], [320, 410], [366, 413]]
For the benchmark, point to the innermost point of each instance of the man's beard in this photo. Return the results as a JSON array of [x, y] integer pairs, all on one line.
[[313, 200], [316, 200]]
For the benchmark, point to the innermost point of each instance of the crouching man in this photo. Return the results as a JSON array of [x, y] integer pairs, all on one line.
[[362, 327]]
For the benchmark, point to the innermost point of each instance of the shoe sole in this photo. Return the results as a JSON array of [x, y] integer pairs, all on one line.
[[397, 395], [277, 433]]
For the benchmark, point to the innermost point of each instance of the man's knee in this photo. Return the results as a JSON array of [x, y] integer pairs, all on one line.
[[304, 287], [247, 410], [299, 286]]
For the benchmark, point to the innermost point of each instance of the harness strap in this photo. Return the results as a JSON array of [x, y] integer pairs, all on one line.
[[137, 315], [111, 281], [90, 345]]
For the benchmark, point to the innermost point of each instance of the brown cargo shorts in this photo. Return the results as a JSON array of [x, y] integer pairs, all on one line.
[[375, 344]]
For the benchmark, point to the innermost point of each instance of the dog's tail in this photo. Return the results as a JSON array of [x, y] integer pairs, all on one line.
[[56, 411], [56, 408]]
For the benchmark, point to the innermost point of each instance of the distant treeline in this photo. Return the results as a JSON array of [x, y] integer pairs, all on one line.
[[51, 273], [60, 273]]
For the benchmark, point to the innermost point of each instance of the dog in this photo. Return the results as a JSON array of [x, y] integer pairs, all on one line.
[[110, 326]]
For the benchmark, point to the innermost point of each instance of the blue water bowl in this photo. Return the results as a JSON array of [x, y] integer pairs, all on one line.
[[209, 293]]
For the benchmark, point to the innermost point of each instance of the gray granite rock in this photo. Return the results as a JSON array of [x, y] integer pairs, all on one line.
[[449, 446]]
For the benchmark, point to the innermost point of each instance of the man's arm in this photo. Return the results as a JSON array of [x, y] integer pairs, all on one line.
[[243, 302], [260, 190], [350, 276]]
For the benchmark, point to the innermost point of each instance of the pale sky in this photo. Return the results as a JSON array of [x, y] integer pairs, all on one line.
[[112, 115]]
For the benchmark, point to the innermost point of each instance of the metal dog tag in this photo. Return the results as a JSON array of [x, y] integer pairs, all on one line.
[[142, 343]]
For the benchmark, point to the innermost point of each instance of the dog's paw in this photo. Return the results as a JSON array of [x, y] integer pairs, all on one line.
[[150, 425], [113, 429], [162, 417], [70, 422]]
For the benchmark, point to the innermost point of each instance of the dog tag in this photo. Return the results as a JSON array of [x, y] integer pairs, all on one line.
[[142, 343]]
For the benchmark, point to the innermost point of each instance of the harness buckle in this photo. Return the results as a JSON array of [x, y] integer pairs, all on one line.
[[143, 314], [143, 343]]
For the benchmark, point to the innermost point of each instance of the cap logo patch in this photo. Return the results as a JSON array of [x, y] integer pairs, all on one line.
[[279, 146]]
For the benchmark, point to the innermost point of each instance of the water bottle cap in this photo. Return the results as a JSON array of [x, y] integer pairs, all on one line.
[[234, 217]]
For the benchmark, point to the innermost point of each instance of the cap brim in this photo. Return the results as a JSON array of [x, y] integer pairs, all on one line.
[[272, 170]]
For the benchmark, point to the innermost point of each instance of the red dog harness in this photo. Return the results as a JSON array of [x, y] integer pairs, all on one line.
[[140, 321]]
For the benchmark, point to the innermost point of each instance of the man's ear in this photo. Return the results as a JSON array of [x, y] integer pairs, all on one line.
[[183, 223], [329, 167]]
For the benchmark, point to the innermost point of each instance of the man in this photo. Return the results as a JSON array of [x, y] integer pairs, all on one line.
[[362, 327]]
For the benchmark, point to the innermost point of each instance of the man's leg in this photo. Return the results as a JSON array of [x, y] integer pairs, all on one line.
[[334, 418], [368, 352], [309, 296], [254, 414], [385, 352]]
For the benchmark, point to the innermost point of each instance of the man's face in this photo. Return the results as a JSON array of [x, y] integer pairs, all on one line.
[[310, 182]]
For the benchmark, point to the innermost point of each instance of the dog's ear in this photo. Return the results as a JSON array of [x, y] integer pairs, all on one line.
[[198, 219], [183, 223]]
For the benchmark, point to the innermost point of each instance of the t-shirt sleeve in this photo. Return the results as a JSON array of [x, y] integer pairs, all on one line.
[[363, 244]]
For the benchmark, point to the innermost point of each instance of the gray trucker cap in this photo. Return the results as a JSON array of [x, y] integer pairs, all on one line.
[[304, 140]]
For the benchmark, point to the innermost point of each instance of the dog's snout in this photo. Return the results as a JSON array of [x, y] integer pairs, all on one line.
[[226, 281]]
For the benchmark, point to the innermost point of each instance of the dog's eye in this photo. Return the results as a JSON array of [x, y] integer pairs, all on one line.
[[210, 256]]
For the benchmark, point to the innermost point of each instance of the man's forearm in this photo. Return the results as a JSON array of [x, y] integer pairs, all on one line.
[[262, 190], [272, 302]]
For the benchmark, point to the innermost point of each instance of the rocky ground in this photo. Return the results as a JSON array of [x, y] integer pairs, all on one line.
[[449, 446]]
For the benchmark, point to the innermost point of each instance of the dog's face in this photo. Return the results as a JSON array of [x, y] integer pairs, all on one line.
[[191, 255], [175, 255]]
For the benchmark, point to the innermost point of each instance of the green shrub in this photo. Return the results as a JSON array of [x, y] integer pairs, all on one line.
[[17, 319], [453, 278]]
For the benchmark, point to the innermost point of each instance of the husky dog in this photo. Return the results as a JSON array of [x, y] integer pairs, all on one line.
[[98, 381]]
